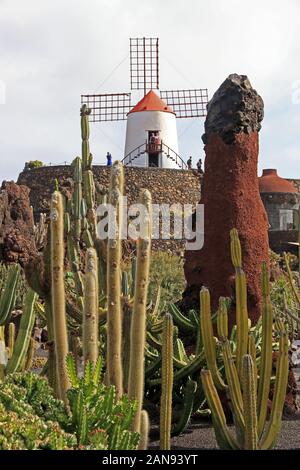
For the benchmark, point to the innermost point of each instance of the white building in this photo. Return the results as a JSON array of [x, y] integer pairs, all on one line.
[[151, 135]]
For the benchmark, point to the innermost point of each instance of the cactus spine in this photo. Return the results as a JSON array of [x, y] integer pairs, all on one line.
[[90, 314], [58, 293], [114, 314], [167, 384], [138, 322]]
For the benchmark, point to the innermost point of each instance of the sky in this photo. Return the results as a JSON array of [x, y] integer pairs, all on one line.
[[52, 51]]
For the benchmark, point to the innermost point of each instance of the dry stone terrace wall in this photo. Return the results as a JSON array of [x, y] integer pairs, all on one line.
[[295, 182], [167, 186]]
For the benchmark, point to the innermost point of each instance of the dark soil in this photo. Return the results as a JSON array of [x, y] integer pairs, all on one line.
[[201, 436]]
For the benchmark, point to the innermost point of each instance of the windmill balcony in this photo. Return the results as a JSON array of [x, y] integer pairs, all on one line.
[[152, 155]]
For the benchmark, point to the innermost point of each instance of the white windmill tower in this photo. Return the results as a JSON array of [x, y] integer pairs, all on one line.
[[151, 131]]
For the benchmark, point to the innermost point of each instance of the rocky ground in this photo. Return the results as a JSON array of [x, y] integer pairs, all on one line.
[[201, 436]]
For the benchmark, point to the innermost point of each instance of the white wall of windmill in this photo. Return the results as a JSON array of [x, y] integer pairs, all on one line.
[[138, 125]]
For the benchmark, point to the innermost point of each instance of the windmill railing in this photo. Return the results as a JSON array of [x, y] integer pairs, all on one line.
[[161, 148]]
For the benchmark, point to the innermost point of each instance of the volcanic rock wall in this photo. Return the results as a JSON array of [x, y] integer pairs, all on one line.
[[167, 186], [16, 224]]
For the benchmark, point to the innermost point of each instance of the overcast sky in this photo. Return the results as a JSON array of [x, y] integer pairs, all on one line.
[[51, 51]]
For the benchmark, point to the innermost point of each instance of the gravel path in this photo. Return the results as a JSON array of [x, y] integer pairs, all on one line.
[[201, 436]]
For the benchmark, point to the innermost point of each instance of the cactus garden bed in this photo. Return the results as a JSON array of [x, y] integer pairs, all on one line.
[[201, 436]]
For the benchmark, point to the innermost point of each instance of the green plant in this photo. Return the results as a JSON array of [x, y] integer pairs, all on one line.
[[248, 395], [30, 415], [166, 275], [167, 384], [21, 345], [14, 356], [9, 280], [138, 320], [114, 318], [90, 325], [98, 415], [34, 164], [58, 293]]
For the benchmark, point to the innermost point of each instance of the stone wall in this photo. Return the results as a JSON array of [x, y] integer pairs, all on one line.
[[295, 182], [166, 186]]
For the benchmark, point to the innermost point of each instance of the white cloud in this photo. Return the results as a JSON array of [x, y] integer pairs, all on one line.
[[52, 51]]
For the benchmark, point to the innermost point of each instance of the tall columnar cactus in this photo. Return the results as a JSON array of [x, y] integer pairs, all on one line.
[[144, 430], [114, 314], [58, 293], [208, 339], [11, 339], [249, 403], [85, 134], [241, 300], [167, 384], [90, 314], [248, 399], [138, 321], [266, 351]]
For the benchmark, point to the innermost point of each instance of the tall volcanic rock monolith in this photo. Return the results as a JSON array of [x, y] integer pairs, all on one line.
[[17, 241], [231, 197]]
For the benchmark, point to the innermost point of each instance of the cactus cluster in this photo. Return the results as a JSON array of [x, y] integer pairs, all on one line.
[[96, 306], [144, 356], [248, 380], [17, 354]]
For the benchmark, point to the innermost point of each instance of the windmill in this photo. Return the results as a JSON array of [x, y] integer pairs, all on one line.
[[151, 131]]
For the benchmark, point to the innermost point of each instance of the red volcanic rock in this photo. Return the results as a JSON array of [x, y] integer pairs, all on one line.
[[231, 198], [16, 224]]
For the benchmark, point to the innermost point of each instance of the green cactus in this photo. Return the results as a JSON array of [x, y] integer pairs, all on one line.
[[248, 397], [58, 293], [90, 316], [266, 351], [85, 134], [22, 342], [167, 384], [144, 430], [7, 300], [241, 300], [114, 319], [138, 321], [29, 356], [249, 403], [11, 339], [188, 405], [208, 338]]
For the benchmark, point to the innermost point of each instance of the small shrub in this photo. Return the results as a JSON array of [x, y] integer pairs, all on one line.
[[33, 164], [166, 271]]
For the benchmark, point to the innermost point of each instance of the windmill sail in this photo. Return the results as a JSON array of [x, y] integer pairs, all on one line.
[[186, 103], [108, 107]]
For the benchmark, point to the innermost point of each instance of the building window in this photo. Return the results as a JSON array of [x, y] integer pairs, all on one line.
[[286, 217]]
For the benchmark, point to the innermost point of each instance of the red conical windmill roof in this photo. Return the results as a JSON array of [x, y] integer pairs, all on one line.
[[151, 102], [270, 182]]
